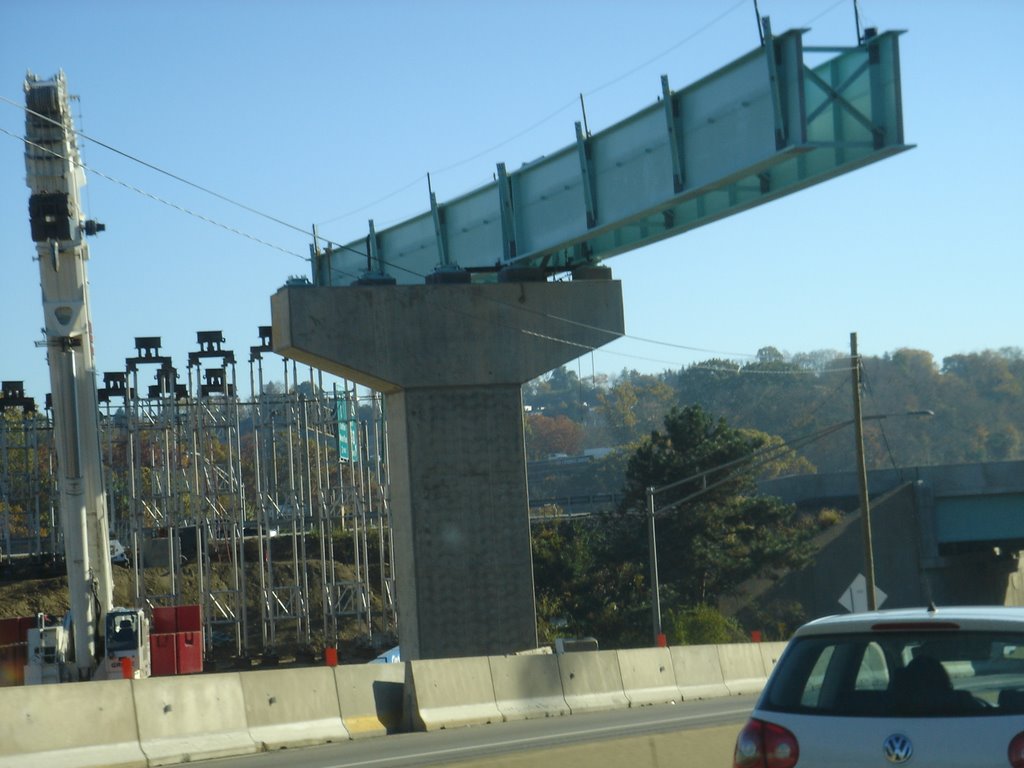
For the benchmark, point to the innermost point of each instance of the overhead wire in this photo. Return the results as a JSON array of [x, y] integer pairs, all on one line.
[[740, 370], [257, 212], [881, 426], [696, 33], [260, 241], [615, 336], [452, 166], [157, 198], [824, 12], [567, 105], [550, 116], [756, 459], [158, 169], [559, 110]]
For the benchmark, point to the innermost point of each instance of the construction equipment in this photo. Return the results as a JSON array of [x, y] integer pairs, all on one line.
[[82, 646]]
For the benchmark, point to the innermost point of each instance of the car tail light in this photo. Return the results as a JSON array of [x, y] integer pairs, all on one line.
[[766, 745], [1016, 751]]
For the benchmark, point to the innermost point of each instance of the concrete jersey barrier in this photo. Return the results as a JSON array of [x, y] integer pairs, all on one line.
[[370, 698], [197, 717], [527, 687], [592, 681], [163, 721], [742, 668], [292, 707], [72, 725], [448, 693], [648, 676], [698, 671], [770, 653]]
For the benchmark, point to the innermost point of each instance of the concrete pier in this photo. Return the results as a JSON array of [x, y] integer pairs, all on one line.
[[452, 360]]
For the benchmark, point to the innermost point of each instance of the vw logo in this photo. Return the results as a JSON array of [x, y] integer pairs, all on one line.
[[898, 749]]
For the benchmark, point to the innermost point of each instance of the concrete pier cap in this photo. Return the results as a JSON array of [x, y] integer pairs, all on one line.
[[397, 337], [452, 359]]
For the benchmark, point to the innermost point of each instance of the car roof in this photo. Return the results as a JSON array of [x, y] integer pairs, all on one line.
[[993, 617]]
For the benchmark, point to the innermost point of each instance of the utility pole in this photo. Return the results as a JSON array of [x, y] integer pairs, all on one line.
[[862, 476]]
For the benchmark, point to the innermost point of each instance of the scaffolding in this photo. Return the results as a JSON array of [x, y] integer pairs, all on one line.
[[271, 512], [27, 512]]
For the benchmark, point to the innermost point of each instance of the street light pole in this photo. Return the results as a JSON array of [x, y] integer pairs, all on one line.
[[652, 542], [862, 477]]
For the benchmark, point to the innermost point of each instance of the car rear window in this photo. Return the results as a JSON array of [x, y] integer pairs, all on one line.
[[904, 673]]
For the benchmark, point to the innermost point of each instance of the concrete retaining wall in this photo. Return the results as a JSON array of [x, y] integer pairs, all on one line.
[[292, 707], [527, 687], [182, 719]]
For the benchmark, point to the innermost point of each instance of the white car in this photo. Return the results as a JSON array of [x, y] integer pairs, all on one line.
[[934, 688]]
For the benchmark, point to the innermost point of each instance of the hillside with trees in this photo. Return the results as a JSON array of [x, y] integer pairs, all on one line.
[[710, 432], [977, 400]]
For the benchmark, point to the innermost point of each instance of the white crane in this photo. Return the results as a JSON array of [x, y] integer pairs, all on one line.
[[55, 177]]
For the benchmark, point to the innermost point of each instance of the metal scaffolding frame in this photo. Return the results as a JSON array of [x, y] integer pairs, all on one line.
[[270, 511], [26, 477]]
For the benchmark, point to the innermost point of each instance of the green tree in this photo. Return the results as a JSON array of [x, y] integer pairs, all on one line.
[[618, 407], [701, 625], [582, 592], [714, 530], [634, 405]]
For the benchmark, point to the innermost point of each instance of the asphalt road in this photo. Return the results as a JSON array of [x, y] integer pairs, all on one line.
[[477, 744]]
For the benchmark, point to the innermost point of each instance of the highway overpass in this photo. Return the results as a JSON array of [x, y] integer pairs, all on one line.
[[949, 534]]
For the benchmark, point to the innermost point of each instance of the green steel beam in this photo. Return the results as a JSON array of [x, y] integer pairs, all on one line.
[[764, 126]]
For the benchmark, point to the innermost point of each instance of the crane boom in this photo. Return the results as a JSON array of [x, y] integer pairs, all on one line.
[[55, 177]]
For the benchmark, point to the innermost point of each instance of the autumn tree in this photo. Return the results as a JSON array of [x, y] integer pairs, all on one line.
[[634, 405], [546, 435]]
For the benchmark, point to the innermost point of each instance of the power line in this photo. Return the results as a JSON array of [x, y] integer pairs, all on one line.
[[584, 347], [157, 198], [545, 119], [669, 50], [372, 203], [615, 336], [158, 169], [551, 115], [824, 12]]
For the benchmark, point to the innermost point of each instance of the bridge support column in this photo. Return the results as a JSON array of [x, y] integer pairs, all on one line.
[[452, 360]]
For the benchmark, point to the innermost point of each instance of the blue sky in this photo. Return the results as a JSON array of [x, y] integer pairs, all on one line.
[[333, 113]]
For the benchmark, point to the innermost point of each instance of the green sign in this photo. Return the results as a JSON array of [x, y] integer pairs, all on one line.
[[348, 433]]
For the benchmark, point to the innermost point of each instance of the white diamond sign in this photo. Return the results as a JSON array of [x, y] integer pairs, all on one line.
[[855, 598]]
